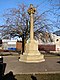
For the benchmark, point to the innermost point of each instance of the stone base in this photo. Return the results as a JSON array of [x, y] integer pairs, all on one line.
[[32, 58], [31, 53]]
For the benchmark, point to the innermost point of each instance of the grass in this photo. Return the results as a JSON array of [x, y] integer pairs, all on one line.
[[38, 76], [10, 53], [16, 53]]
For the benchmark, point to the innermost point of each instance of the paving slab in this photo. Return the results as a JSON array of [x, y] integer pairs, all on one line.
[[50, 65]]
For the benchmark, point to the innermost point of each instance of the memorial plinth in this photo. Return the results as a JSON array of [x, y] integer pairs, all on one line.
[[31, 53]]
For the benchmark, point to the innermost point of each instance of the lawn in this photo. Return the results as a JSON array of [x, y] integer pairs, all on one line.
[[38, 76]]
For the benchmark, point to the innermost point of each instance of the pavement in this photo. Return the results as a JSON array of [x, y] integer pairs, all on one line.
[[50, 65]]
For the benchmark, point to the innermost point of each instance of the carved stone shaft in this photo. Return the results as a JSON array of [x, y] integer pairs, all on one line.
[[31, 11]]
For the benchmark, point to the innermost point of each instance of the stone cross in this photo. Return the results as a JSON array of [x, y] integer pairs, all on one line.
[[31, 11], [31, 53]]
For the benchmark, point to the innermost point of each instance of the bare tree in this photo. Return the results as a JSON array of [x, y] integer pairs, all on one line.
[[17, 21]]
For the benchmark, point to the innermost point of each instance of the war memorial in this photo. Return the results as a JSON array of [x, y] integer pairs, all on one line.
[[31, 53], [32, 65]]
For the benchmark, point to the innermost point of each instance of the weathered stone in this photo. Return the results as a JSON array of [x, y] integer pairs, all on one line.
[[31, 53]]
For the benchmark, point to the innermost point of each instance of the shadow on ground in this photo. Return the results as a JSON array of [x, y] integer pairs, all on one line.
[[8, 76], [2, 70], [58, 62], [33, 77]]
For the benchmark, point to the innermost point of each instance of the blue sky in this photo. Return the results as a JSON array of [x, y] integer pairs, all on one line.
[[6, 4], [43, 6]]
